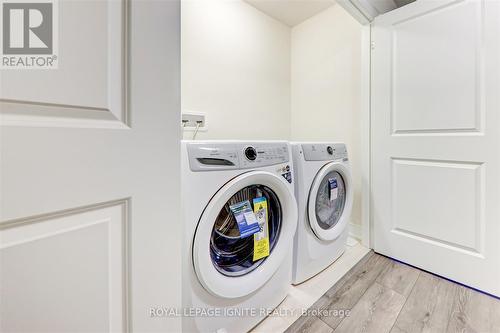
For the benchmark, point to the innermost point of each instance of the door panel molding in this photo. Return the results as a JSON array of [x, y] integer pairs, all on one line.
[[430, 216], [43, 237], [438, 242], [433, 122], [113, 114]]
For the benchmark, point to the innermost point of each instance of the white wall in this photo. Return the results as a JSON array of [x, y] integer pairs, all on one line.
[[236, 70], [326, 85]]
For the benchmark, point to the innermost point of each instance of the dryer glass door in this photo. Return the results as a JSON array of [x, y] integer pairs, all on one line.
[[330, 201]]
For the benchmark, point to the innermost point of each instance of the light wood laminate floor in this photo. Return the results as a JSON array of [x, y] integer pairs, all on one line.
[[382, 295]]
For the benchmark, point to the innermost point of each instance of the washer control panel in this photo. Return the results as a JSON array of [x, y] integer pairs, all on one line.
[[324, 151], [262, 154], [205, 156]]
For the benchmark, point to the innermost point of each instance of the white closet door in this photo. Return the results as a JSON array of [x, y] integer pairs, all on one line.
[[89, 223], [436, 138]]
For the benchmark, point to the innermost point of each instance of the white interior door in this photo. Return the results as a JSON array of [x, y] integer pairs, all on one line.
[[89, 232], [436, 138]]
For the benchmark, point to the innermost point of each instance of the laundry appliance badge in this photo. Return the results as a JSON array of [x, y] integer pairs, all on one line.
[[334, 188], [286, 173]]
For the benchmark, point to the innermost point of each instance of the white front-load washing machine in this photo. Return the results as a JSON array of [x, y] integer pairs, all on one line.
[[324, 198], [231, 282]]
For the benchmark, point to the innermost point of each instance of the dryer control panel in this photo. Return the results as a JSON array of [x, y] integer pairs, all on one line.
[[205, 156], [324, 151]]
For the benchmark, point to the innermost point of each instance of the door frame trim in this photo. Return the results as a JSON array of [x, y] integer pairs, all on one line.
[[366, 201]]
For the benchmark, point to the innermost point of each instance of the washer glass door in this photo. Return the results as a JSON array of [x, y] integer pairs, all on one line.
[[222, 259], [231, 254]]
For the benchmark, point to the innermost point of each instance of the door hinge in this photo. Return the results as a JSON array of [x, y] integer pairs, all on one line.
[[372, 44]]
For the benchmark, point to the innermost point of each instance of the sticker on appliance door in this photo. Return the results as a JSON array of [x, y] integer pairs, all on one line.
[[334, 190], [245, 217], [261, 238]]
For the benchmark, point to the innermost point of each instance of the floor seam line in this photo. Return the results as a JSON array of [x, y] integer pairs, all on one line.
[[328, 324], [357, 301], [354, 268], [406, 300]]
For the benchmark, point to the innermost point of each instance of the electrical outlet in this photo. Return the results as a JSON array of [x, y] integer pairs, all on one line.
[[191, 120]]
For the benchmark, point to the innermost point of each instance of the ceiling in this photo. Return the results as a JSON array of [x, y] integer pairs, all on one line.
[[383, 6], [401, 3], [291, 12]]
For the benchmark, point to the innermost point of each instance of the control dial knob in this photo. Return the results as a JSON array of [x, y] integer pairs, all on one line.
[[251, 153]]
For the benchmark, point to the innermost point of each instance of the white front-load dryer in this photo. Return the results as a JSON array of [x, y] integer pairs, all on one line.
[[324, 199], [227, 288]]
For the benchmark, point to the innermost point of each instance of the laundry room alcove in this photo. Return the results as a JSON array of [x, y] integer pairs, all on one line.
[[275, 70]]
